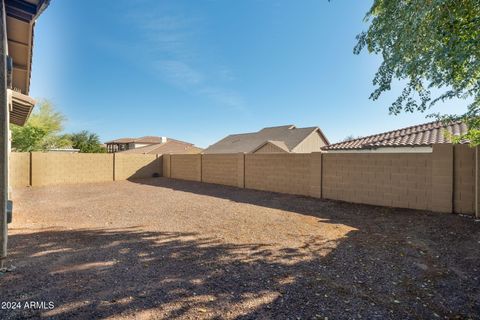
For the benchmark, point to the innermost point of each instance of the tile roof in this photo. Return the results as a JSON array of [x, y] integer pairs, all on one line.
[[287, 137], [420, 135]]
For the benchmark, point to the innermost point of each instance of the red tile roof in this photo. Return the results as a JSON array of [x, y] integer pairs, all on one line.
[[420, 135]]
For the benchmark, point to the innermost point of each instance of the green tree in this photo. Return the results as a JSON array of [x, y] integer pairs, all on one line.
[[41, 132], [86, 142], [434, 47]]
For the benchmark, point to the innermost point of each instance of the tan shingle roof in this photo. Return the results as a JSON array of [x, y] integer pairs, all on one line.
[[146, 140], [420, 135], [171, 146], [288, 137]]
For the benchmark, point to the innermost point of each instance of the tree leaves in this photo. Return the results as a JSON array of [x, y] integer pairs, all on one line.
[[433, 45]]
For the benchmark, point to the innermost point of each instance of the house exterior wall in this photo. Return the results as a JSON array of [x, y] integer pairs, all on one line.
[[270, 148], [312, 143]]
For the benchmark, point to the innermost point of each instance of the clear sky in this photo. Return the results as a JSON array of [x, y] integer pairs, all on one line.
[[200, 70]]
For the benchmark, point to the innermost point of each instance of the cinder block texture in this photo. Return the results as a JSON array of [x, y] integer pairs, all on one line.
[[166, 164], [285, 173], [396, 180], [225, 169], [464, 179], [19, 169], [137, 166], [60, 168], [186, 166], [316, 175], [442, 178]]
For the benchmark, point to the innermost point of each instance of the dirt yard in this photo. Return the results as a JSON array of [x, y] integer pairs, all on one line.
[[168, 249]]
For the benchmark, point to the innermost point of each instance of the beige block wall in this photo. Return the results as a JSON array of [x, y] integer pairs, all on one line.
[[464, 179], [285, 173], [186, 166], [19, 169], [225, 169], [397, 180], [442, 178], [167, 160], [58, 168], [316, 160], [137, 166]]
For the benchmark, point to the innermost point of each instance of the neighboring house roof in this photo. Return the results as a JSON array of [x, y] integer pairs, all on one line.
[[415, 136], [285, 137], [145, 140], [279, 144], [171, 146]]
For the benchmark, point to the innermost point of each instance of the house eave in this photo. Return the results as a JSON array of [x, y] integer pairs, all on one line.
[[21, 107]]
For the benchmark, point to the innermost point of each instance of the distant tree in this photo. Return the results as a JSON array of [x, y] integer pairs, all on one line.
[[429, 45], [349, 137], [87, 142], [41, 132]]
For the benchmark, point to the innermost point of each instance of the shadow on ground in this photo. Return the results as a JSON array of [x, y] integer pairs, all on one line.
[[398, 264]]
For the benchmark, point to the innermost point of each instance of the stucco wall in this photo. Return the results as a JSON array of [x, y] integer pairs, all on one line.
[[270, 148], [312, 143]]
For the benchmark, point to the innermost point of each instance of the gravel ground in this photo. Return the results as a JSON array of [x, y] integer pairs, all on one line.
[[160, 248]]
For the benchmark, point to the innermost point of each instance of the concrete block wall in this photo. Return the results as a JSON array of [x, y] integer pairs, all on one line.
[[41, 168], [186, 167], [446, 180], [137, 166], [62, 168], [396, 180], [225, 169], [19, 173], [464, 179], [285, 173]]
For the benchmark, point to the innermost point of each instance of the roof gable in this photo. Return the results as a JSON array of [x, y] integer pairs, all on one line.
[[288, 136]]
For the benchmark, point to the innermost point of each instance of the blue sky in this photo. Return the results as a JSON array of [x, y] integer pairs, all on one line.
[[200, 70]]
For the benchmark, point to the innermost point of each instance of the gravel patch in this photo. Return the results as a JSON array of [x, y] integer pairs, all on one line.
[[163, 249]]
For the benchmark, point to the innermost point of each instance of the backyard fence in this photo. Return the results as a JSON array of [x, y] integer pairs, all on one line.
[[47, 168], [445, 180]]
